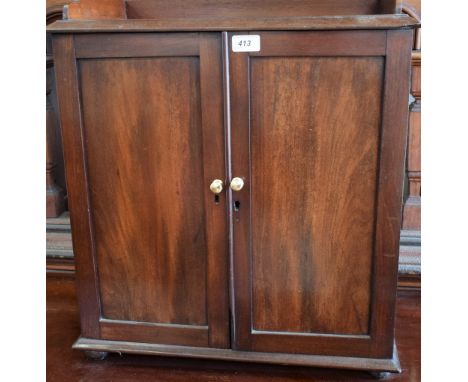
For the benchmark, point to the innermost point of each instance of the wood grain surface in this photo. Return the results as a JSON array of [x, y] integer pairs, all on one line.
[[314, 167], [143, 139], [320, 192], [91, 9], [237, 24], [162, 9], [68, 95]]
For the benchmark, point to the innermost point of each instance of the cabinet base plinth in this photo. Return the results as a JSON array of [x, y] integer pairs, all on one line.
[[352, 363]]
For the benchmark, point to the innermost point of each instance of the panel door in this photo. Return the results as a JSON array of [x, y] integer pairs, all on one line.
[[142, 118], [318, 135]]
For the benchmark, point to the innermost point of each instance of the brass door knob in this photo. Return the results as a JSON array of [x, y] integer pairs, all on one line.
[[237, 184], [216, 186]]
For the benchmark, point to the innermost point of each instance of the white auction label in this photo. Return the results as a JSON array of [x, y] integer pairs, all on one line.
[[246, 43]]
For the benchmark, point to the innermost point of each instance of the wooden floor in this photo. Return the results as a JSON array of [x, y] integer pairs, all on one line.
[[65, 364]]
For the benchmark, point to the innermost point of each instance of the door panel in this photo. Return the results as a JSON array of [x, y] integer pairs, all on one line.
[[314, 166], [308, 123], [149, 231], [152, 130]]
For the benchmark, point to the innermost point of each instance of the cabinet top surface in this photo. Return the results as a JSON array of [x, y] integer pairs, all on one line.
[[236, 24]]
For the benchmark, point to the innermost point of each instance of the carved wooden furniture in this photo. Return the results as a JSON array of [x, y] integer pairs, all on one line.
[[55, 195], [412, 208], [410, 242], [236, 205]]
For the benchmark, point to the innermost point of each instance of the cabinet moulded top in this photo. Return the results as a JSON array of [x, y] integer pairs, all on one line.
[[396, 21]]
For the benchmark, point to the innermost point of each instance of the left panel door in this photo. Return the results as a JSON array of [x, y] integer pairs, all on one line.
[[142, 121]]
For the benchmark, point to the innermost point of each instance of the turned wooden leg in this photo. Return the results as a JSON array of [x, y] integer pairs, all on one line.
[[97, 355], [412, 206]]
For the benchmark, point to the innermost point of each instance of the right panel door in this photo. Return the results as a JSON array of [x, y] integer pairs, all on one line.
[[318, 135]]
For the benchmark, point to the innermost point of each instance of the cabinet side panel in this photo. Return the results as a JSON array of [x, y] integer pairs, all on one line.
[[315, 126], [389, 208], [143, 139]]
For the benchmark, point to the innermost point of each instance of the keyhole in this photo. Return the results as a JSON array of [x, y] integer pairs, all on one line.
[[216, 200], [236, 205]]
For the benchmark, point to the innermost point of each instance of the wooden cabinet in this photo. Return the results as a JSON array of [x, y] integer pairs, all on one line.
[[295, 263]]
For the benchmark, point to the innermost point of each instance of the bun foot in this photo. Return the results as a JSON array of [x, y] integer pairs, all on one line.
[[379, 374], [97, 355]]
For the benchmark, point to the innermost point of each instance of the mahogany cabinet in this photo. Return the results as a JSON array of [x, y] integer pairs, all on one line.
[[237, 205]]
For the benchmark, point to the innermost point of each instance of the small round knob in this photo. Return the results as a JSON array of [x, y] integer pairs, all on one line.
[[216, 186], [237, 184]]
